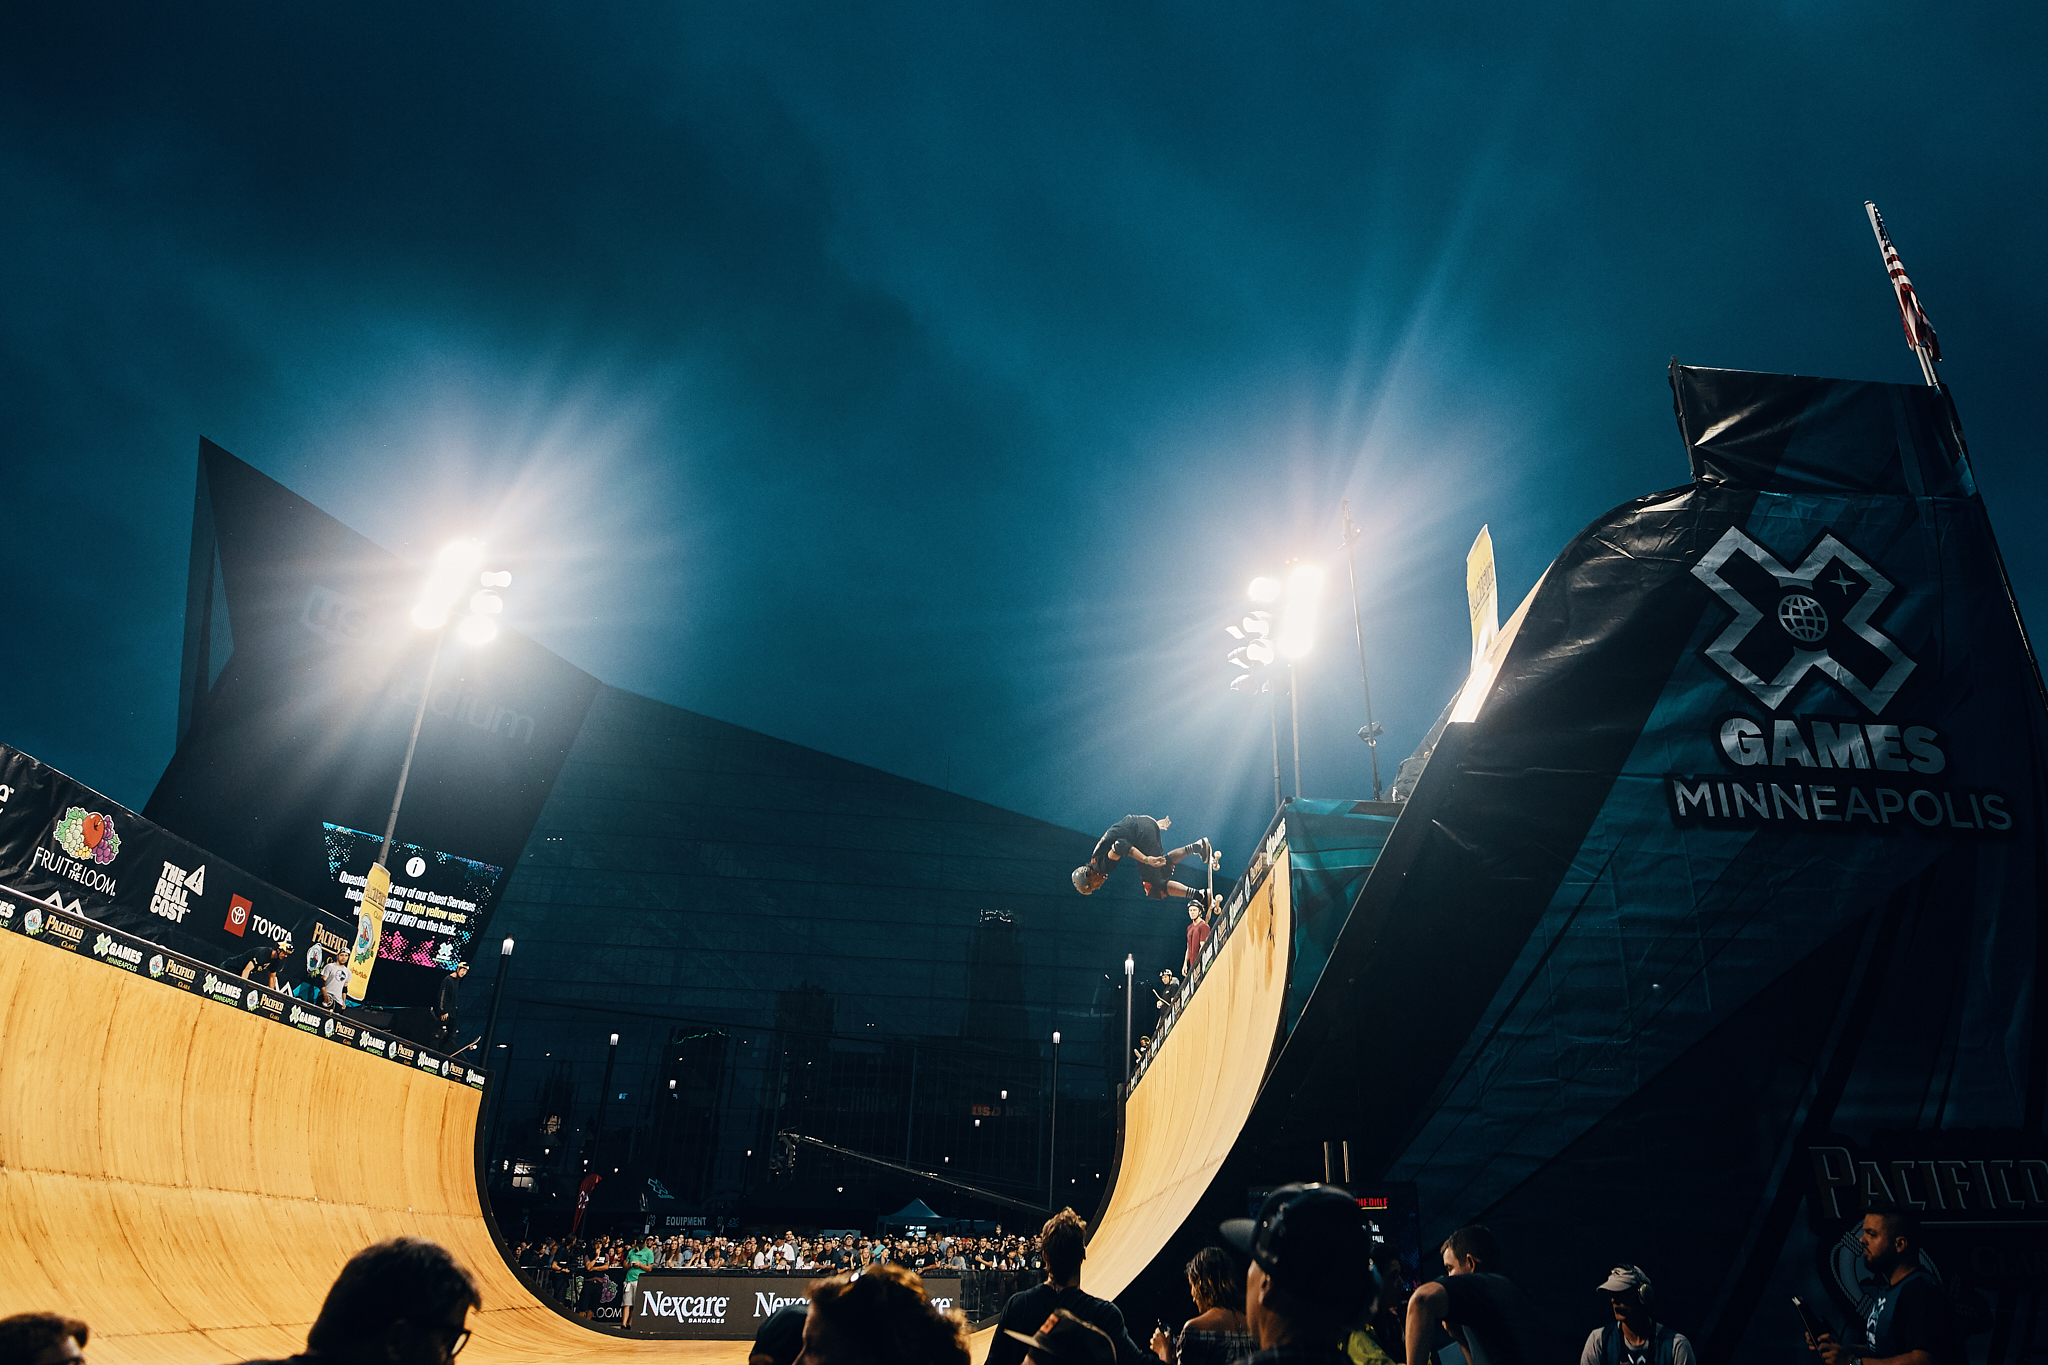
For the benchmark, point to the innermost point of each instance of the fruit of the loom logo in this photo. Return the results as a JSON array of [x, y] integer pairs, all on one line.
[[88, 836]]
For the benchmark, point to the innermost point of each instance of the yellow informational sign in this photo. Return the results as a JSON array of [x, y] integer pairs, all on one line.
[[369, 929], [1482, 595]]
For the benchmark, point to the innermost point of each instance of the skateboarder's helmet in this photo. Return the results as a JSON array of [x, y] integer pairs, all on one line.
[[1084, 879]]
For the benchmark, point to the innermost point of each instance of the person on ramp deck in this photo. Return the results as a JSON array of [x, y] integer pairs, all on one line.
[[1138, 838]]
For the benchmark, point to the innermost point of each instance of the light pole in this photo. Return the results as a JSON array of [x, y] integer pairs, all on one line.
[[497, 995], [1293, 639], [1130, 973], [1373, 729], [454, 573], [1052, 1142], [1296, 638], [605, 1096], [1255, 658]]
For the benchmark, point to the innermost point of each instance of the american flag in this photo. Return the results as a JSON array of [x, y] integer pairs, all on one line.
[[1919, 331]]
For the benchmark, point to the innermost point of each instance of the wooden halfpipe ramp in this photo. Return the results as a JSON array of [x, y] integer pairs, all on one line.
[[189, 1179], [1185, 1114]]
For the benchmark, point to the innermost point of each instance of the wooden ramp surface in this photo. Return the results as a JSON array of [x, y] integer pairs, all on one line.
[[1186, 1113], [189, 1180]]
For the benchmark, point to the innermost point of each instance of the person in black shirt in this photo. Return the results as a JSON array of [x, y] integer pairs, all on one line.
[[1910, 1321], [1312, 1278], [1493, 1321], [1137, 837], [445, 1006], [265, 966], [1027, 1314]]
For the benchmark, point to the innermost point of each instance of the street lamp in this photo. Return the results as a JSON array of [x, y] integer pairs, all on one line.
[[604, 1097], [1130, 971], [1052, 1141], [497, 994]]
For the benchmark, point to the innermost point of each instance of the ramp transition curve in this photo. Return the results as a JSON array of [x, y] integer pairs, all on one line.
[[189, 1180]]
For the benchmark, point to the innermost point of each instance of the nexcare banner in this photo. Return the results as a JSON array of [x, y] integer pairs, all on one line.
[[66, 845], [733, 1307]]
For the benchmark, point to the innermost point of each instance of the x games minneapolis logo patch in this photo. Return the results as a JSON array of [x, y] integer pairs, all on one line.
[[1788, 621]]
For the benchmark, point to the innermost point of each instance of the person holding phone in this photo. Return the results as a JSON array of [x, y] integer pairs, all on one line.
[[1909, 1321]]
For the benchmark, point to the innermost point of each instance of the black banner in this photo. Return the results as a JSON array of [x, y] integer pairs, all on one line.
[[733, 1307], [74, 933], [64, 844]]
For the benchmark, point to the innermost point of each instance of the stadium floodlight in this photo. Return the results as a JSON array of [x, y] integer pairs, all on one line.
[[1298, 620], [454, 570], [1265, 590]]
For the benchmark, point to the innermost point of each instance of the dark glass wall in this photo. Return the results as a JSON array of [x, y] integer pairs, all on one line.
[[801, 944]]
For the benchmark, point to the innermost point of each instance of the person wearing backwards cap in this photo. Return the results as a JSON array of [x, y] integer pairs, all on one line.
[[1634, 1337], [1311, 1278]]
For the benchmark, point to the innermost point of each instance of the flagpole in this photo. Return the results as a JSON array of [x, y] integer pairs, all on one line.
[[1927, 351], [1927, 347]]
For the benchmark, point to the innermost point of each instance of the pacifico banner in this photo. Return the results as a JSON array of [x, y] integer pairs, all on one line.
[[733, 1307], [64, 844], [83, 937]]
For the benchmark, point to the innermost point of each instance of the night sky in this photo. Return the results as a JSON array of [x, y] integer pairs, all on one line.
[[925, 383]]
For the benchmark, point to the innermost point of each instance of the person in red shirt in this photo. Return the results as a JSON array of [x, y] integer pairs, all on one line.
[[1198, 934]]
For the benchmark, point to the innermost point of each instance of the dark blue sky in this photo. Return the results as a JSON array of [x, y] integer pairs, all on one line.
[[924, 383]]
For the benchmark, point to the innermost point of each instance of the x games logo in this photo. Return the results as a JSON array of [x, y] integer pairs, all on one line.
[[1788, 621]]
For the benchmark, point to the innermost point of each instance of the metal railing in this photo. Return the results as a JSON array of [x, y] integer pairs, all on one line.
[[1270, 846]]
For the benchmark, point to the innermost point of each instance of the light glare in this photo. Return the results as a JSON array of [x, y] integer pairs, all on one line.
[[486, 604], [1265, 589], [429, 617], [477, 630], [1298, 621]]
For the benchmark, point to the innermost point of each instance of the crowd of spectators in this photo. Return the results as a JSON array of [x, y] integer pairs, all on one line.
[[1317, 1291], [591, 1275]]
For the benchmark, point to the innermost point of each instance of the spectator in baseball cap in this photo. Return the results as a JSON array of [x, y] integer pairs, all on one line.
[[781, 1338], [1066, 1340], [1635, 1337], [1312, 1277]]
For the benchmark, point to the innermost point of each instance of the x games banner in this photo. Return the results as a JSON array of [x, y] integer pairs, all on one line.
[[1734, 876]]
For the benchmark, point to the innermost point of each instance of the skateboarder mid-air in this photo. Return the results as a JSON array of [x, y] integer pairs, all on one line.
[[1137, 837]]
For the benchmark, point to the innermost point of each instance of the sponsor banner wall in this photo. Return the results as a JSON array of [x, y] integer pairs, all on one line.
[[734, 1306], [74, 933], [64, 844]]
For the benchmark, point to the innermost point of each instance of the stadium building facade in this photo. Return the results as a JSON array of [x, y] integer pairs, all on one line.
[[781, 940]]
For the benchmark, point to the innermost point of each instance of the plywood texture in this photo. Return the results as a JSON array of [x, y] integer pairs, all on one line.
[[1186, 1113], [189, 1180]]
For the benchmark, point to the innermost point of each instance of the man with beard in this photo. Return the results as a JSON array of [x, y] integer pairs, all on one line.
[[1910, 1321]]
